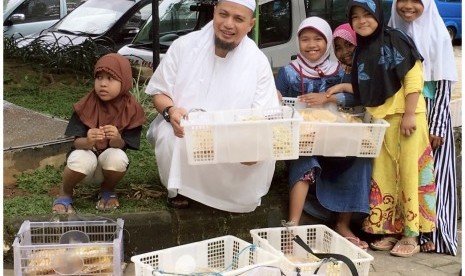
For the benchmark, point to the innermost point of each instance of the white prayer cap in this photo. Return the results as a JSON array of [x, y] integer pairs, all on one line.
[[247, 3]]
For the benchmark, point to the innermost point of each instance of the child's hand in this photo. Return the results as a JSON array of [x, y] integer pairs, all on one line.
[[333, 90], [408, 124], [94, 135], [313, 98], [435, 141], [111, 132], [339, 88]]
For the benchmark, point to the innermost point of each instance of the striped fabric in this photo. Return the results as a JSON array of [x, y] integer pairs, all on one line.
[[445, 236]]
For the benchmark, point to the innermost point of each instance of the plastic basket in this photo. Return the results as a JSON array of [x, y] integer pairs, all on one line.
[[456, 111], [341, 138], [225, 255], [320, 238], [41, 248], [233, 136]]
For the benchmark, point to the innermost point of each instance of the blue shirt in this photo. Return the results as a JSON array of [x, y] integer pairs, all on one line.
[[289, 83]]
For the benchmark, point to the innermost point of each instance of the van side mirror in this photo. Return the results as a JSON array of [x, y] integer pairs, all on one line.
[[130, 31], [17, 18]]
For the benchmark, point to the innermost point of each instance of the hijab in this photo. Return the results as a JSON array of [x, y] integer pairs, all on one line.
[[327, 65], [381, 60], [124, 111], [345, 32], [432, 40]]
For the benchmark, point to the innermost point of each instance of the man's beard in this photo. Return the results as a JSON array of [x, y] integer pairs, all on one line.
[[223, 45]]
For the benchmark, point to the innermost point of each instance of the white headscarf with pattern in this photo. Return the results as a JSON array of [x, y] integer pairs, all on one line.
[[327, 64]]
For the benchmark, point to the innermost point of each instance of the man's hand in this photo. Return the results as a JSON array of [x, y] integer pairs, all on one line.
[[176, 114]]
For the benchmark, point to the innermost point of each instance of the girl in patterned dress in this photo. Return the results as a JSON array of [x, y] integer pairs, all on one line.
[[387, 77]]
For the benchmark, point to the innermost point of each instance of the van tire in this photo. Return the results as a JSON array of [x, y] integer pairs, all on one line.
[[452, 32]]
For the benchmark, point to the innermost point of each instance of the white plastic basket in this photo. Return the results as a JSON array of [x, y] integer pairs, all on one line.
[[233, 136], [456, 111], [341, 138], [226, 255], [320, 238], [39, 248]]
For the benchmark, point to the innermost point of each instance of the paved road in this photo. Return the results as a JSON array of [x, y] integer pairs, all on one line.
[[457, 88]]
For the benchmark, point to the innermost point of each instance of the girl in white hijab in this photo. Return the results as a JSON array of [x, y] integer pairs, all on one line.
[[420, 19], [325, 188]]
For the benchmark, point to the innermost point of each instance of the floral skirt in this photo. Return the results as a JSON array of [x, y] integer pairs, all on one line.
[[402, 194]]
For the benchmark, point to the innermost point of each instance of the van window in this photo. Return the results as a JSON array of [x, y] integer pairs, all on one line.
[[275, 23], [39, 10], [73, 4], [138, 19], [333, 11], [178, 16]]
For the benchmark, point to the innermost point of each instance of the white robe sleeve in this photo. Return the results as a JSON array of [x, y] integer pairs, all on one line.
[[164, 78]]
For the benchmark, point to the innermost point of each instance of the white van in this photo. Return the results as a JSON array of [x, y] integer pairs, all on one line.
[[277, 25], [25, 17]]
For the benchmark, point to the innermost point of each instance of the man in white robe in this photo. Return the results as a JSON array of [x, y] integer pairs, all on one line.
[[215, 68]]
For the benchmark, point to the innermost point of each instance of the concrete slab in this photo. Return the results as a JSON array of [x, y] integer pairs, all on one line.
[[23, 128], [31, 140]]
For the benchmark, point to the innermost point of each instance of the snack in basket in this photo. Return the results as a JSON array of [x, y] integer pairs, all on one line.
[[96, 259], [253, 118], [203, 154], [282, 140], [310, 258], [350, 118], [41, 262], [202, 144], [318, 115]]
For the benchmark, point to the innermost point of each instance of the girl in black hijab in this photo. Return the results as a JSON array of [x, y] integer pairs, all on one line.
[[387, 78]]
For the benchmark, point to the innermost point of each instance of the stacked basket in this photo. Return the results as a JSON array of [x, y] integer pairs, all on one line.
[[272, 253], [69, 248], [321, 239], [225, 256]]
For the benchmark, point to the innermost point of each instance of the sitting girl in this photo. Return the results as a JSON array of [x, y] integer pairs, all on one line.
[[105, 122]]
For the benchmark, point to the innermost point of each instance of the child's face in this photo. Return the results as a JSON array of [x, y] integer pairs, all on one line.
[[312, 44], [363, 22], [106, 86], [409, 10], [344, 50]]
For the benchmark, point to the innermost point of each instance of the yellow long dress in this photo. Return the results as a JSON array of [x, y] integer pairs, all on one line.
[[402, 195]]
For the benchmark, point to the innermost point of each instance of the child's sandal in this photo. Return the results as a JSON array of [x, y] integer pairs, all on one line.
[[105, 197], [67, 202]]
